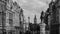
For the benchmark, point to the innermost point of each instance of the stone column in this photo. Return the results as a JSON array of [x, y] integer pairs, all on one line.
[[42, 28]]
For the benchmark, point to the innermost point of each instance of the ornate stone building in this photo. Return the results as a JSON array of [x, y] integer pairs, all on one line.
[[10, 13], [53, 17], [12, 17], [2, 15]]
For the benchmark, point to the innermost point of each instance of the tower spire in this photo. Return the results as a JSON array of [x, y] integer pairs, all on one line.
[[35, 19]]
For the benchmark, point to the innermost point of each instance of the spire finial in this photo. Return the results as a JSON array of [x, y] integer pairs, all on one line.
[[35, 19]]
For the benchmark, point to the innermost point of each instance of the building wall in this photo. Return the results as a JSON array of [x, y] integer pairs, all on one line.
[[12, 16], [58, 12], [2, 15], [54, 19], [16, 9]]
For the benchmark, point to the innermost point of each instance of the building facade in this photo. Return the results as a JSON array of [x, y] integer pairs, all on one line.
[[57, 5], [2, 15], [53, 17], [9, 17]]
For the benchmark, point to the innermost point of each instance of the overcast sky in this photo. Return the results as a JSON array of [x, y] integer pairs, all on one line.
[[32, 7]]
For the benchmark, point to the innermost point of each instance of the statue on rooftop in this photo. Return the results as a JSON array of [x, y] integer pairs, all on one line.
[[42, 16]]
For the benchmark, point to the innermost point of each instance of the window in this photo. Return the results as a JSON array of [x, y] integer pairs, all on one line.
[[10, 18]]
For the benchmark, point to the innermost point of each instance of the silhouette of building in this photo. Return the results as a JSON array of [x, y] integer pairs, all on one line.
[[54, 25], [33, 28], [53, 17]]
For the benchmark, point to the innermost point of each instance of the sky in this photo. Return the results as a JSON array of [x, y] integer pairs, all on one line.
[[32, 8]]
